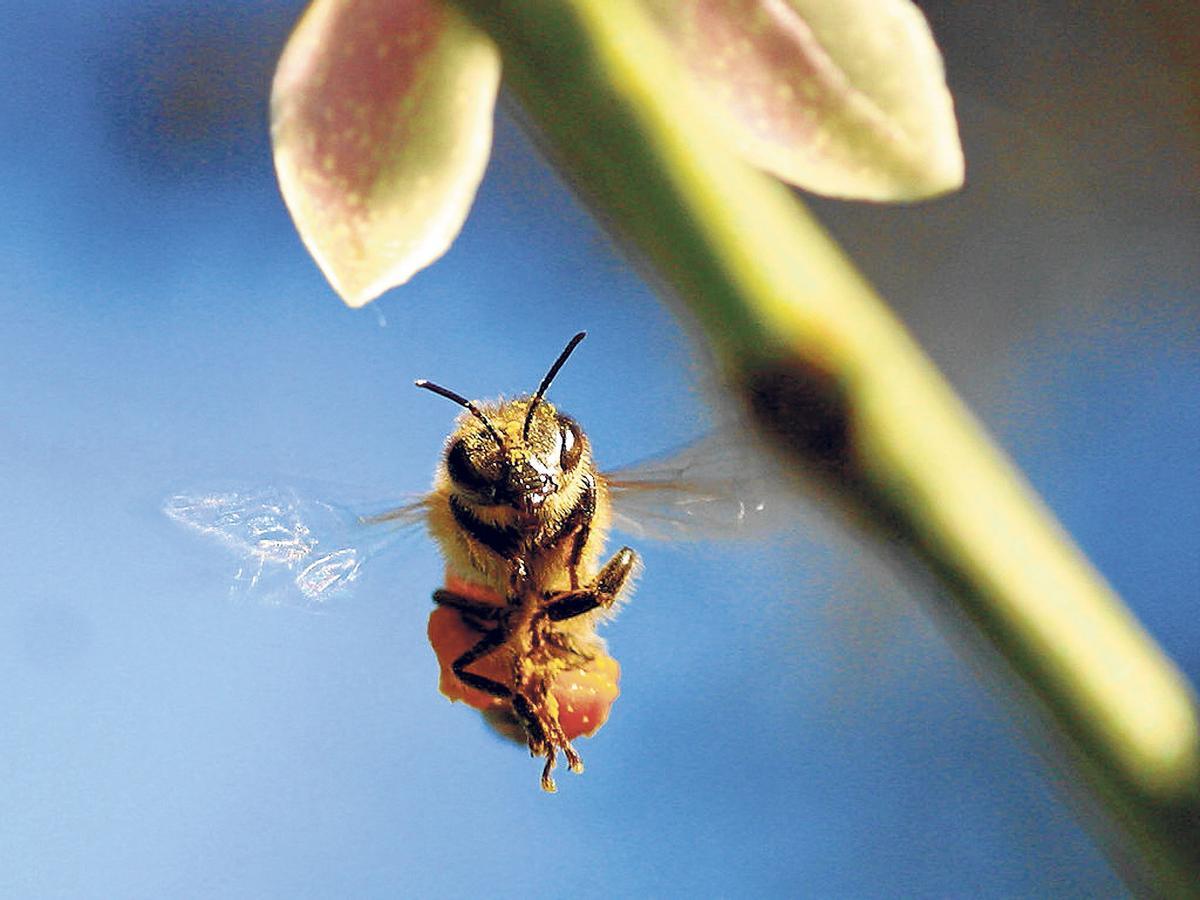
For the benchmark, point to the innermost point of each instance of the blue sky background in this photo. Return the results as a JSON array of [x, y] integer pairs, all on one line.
[[790, 722]]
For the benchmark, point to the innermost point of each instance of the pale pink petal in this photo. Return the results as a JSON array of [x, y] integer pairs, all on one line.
[[842, 97], [381, 119]]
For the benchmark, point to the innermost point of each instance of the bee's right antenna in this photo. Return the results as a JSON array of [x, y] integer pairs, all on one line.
[[464, 402], [558, 364]]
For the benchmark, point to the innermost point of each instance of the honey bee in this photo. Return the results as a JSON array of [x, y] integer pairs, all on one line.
[[521, 514]]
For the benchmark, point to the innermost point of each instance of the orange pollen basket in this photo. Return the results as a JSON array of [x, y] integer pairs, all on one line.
[[584, 693]]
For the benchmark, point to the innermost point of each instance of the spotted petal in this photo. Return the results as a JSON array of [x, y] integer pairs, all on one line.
[[844, 98], [381, 119]]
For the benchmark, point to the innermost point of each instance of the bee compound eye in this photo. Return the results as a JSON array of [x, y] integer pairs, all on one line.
[[463, 471], [572, 444]]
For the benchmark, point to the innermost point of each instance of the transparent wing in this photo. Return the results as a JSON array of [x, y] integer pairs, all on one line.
[[292, 547], [717, 488]]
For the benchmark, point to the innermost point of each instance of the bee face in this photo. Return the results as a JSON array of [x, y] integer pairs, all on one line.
[[526, 467]]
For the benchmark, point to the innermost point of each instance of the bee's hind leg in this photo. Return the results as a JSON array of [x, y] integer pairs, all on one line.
[[488, 612], [601, 592], [546, 738], [490, 642], [474, 613], [540, 743]]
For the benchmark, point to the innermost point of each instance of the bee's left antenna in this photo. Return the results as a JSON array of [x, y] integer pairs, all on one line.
[[464, 402], [558, 364]]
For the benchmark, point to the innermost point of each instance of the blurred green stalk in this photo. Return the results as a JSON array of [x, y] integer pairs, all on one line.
[[837, 384]]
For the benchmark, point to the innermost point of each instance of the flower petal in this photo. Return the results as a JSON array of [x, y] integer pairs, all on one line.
[[381, 119], [845, 98]]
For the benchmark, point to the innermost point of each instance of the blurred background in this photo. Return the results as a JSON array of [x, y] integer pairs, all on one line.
[[791, 723]]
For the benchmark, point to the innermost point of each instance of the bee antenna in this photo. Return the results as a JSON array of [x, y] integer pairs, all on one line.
[[558, 364], [464, 402]]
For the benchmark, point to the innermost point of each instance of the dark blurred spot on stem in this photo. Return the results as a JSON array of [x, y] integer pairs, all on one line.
[[804, 410]]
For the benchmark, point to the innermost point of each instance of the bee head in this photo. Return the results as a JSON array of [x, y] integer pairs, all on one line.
[[517, 453]]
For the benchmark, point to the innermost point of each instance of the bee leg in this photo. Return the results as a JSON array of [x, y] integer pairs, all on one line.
[[489, 643], [476, 615], [530, 719], [581, 538], [548, 784], [543, 744], [601, 592], [487, 612], [574, 760], [545, 735], [574, 763], [577, 526], [535, 731]]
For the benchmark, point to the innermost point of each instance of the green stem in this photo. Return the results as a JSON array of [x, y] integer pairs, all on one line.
[[839, 386]]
